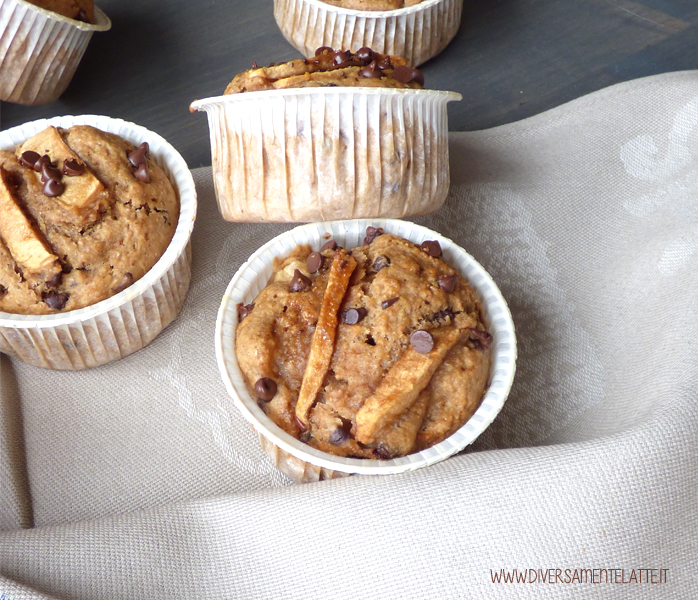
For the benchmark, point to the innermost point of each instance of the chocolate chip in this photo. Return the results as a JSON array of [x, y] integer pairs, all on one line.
[[50, 172], [382, 452], [3, 290], [53, 188], [82, 16], [442, 315], [28, 159], [388, 303], [323, 50], [447, 283], [340, 57], [255, 65], [244, 310], [365, 54], [422, 341], [141, 173], [381, 262], [370, 341], [55, 281], [138, 156], [125, 282], [384, 63], [372, 233], [265, 388], [371, 71], [407, 75], [73, 168], [431, 247], [41, 161], [55, 300], [480, 339], [314, 262], [300, 282], [331, 245], [417, 76], [354, 315], [341, 434]]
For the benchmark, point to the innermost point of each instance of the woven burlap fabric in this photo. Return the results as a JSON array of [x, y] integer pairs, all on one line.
[[143, 481]]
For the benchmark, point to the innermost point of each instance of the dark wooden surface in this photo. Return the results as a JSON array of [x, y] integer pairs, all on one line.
[[511, 59]]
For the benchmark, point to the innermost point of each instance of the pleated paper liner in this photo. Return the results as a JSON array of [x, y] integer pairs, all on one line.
[[416, 33], [304, 463], [131, 319], [40, 50], [320, 154]]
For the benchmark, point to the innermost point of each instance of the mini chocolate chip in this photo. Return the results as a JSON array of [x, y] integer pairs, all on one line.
[[73, 168], [53, 188], [323, 50], [365, 54], [388, 303], [55, 300], [372, 233], [370, 341], [55, 281], [381, 262], [417, 76], [422, 341], [481, 339], [442, 315], [137, 157], [331, 245], [126, 281], [244, 310], [314, 262], [447, 283], [354, 315], [403, 74], [300, 282], [41, 161], [49, 172], [431, 247], [384, 63], [3, 290], [141, 173], [265, 388], [341, 434], [255, 65], [29, 158], [382, 452]]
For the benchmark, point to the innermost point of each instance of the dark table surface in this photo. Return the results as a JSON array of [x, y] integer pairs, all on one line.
[[511, 59]]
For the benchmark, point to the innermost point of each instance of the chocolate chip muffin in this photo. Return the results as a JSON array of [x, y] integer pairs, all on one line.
[[372, 4], [328, 68], [80, 10], [375, 352], [83, 214]]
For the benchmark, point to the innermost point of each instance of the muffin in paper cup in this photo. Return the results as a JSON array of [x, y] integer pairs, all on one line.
[[131, 319], [304, 463], [328, 153], [40, 50], [416, 32]]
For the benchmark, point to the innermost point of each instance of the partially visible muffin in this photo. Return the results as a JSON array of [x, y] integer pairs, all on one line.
[[80, 10], [83, 215], [376, 352]]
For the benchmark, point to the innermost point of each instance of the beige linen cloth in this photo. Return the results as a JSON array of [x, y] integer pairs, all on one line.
[[141, 480]]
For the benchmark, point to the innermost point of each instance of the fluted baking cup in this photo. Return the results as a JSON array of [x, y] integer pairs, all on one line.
[[416, 33], [129, 320], [40, 50], [304, 463], [321, 154]]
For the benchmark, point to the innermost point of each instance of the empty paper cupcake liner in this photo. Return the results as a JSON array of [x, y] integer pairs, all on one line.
[[416, 33], [40, 50], [304, 463], [129, 320], [321, 154]]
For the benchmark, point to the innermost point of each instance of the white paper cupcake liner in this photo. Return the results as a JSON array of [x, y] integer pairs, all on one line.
[[40, 50], [304, 463], [416, 33], [129, 320], [321, 154]]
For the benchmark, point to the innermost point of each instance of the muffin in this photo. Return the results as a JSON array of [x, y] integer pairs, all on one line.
[[95, 220], [415, 29], [305, 462], [337, 136], [41, 45], [375, 352]]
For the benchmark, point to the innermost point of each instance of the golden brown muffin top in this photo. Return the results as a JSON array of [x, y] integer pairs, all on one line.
[[80, 10], [328, 68], [376, 352], [373, 4], [83, 214]]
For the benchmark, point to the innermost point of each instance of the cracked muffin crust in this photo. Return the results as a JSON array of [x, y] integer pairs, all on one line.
[[376, 352], [84, 215]]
